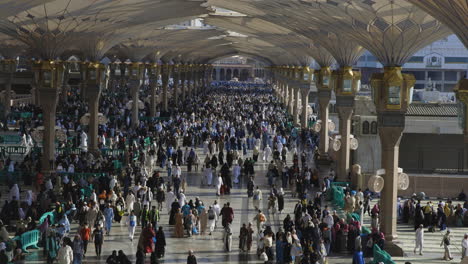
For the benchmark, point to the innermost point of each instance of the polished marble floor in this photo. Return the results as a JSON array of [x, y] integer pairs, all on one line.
[[208, 249]]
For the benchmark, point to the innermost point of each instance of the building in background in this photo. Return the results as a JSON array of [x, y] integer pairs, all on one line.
[[439, 66], [239, 67]]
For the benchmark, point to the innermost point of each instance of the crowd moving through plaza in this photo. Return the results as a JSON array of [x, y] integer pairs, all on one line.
[[233, 131], [216, 140]]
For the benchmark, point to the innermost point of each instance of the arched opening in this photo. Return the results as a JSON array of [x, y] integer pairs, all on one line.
[[228, 74], [244, 75], [213, 74], [236, 73], [374, 127], [222, 77], [365, 128]]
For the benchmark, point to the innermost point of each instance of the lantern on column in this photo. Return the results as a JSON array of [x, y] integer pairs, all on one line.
[[112, 68], [307, 75], [95, 73], [137, 71], [346, 81], [45, 73], [392, 90], [461, 91], [324, 78], [291, 71], [153, 70], [8, 65], [176, 68], [298, 73], [123, 70]]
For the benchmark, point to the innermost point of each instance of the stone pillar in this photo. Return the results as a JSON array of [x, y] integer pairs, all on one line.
[[65, 87], [217, 74], [182, 85], [324, 100], [64, 93], [390, 132], [135, 89], [49, 99], [284, 87], [33, 94], [290, 99], [189, 83], [175, 78], [305, 104], [165, 83], [296, 106], [9, 82], [345, 113], [93, 93], [153, 84], [196, 87]]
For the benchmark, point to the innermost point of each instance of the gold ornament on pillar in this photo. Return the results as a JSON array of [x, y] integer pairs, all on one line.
[[153, 70], [392, 90], [95, 73], [324, 78], [48, 74], [8, 65], [346, 82], [307, 75], [137, 71], [176, 68], [297, 73], [461, 91], [291, 71]]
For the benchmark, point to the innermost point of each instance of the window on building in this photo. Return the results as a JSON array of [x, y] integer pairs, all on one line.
[[434, 61], [451, 76], [419, 75], [435, 75], [460, 60], [365, 128], [419, 86], [416, 59], [374, 127]]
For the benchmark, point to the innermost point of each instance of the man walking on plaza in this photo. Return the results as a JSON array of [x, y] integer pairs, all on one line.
[[446, 242], [419, 239]]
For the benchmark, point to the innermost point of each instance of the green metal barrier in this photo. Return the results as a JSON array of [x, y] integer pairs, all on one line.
[[338, 196], [85, 175], [112, 152], [29, 239], [62, 151], [381, 256], [51, 215], [147, 141]]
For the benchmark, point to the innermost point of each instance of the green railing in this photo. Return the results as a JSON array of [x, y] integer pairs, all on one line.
[[29, 239], [10, 139], [13, 150], [62, 151], [83, 175], [23, 115], [112, 152]]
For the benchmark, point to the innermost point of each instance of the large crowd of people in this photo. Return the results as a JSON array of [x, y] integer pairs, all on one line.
[[223, 134]]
